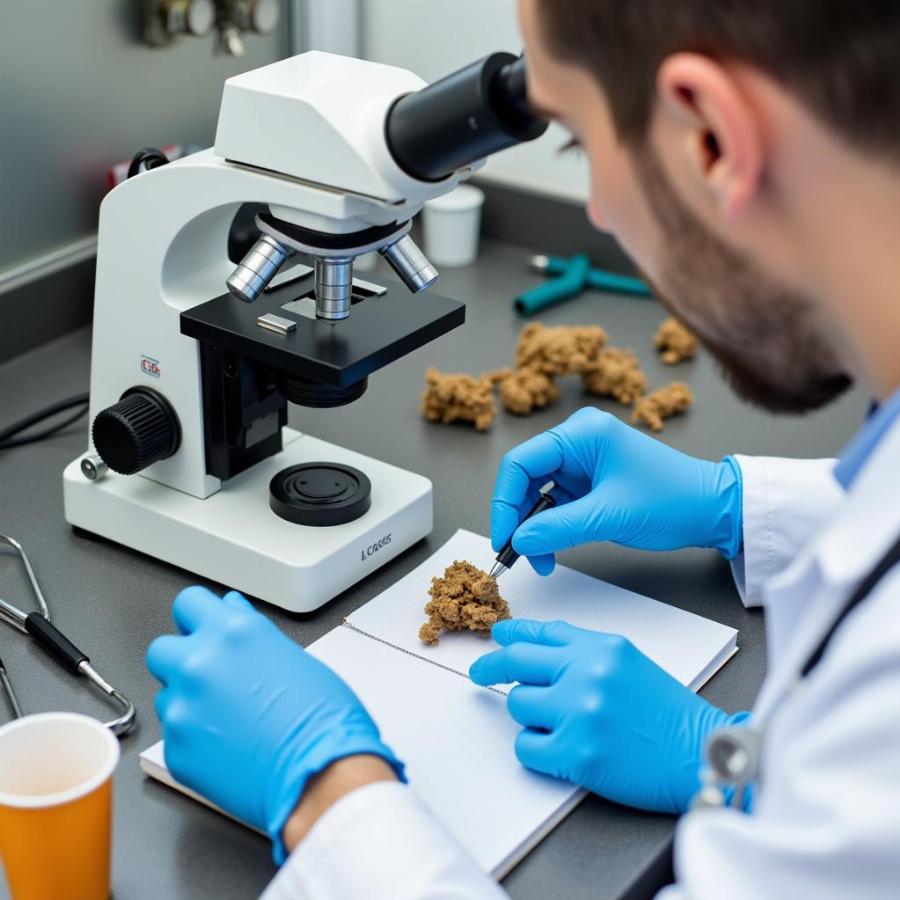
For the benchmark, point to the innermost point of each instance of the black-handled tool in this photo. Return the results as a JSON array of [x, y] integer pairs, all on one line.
[[37, 624], [7, 686], [507, 556], [55, 642]]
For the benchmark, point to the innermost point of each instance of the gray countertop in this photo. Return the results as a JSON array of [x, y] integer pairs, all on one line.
[[113, 601]]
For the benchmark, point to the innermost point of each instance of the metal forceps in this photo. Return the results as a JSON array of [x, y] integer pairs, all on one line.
[[37, 624]]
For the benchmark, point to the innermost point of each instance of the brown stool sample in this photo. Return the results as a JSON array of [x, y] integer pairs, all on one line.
[[524, 390], [563, 350], [453, 398], [465, 598], [674, 342], [616, 373], [667, 401]]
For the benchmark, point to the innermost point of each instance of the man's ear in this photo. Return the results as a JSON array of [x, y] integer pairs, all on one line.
[[721, 134]]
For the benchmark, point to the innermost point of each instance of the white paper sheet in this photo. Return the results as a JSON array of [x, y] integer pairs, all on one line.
[[457, 742], [683, 644]]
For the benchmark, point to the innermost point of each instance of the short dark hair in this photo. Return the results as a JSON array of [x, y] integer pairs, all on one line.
[[841, 58]]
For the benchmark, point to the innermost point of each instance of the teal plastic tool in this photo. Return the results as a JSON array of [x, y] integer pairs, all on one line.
[[572, 276]]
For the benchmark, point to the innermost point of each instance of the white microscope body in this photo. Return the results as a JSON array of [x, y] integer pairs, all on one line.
[[306, 136]]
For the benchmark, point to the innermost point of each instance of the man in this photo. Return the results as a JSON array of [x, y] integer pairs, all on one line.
[[747, 155]]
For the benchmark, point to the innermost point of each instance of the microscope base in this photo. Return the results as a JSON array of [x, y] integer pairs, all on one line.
[[233, 537]]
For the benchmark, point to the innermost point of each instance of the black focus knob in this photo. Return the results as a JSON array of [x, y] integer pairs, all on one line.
[[140, 429]]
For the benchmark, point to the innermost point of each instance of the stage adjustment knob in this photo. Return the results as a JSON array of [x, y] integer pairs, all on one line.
[[140, 429]]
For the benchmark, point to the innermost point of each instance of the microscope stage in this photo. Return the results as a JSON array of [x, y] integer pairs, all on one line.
[[379, 330], [234, 539]]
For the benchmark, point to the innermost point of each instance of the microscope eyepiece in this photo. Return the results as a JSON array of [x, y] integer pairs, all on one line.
[[469, 114]]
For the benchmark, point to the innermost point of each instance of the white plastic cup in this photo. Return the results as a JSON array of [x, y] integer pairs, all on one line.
[[452, 224]]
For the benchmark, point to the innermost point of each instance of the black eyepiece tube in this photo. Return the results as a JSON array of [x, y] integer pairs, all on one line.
[[479, 110]]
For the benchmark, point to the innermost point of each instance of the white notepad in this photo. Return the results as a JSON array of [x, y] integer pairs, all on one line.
[[456, 738]]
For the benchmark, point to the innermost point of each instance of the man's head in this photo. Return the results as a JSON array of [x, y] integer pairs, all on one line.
[[706, 124]]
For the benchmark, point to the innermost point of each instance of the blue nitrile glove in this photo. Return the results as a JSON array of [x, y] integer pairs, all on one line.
[[248, 715], [600, 714], [613, 483]]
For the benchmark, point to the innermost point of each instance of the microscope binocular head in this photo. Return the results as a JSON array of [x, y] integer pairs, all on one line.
[[373, 143]]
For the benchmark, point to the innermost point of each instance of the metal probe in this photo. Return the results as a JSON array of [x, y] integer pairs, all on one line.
[[507, 556], [37, 624], [7, 686]]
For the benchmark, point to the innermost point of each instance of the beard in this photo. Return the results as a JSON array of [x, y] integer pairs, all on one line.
[[766, 339]]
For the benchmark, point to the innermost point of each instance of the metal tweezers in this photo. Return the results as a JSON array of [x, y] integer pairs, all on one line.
[[37, 624]]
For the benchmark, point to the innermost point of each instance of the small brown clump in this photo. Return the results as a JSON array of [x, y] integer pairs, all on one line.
[[498, 376], [452, 398], [559, 351], [524, 390], [617, 374], [652, 409], [464, 598], [674, 342]]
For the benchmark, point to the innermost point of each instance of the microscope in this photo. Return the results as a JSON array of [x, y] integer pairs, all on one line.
[[194, 361]]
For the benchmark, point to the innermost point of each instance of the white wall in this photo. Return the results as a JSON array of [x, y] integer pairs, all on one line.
[[434, 37]]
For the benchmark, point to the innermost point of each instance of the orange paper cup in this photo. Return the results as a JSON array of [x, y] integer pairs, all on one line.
[[56, 806]]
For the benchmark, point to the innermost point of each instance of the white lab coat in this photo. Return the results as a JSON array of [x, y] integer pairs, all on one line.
[[826, 817]]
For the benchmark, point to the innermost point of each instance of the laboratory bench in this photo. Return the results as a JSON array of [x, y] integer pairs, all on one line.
[[113, 601]]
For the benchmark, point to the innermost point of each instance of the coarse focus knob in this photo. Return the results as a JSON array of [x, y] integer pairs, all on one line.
[[139, 430]]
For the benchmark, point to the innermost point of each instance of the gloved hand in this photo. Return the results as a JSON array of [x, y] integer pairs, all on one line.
[[599, 713], [248, 715], [614, 483]]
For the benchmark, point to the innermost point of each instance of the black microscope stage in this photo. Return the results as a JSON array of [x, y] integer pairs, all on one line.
[[379, 331]]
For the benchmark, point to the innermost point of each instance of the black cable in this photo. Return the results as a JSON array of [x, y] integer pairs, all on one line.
[[149, 158], [8, 435]]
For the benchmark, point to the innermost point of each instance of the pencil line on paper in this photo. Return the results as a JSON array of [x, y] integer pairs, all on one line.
[[431, 662]]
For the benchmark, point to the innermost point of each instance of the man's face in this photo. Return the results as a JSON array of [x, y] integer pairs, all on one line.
[[766, 337]]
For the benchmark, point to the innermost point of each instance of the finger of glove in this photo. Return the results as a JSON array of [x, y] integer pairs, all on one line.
[[564, 526], [175, 717], [544, 564], [162, 704], [533, 750], [535, 459], [237, 600], [195, 606], [551, 634], [525, 663], [165, 656], [530, 706]]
